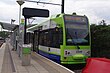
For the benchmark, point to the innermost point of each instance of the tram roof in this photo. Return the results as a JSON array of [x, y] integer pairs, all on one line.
[[35, 27]]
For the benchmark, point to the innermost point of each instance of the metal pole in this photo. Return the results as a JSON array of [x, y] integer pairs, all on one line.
[[62, 8], [19, 14], [25, 36], [20, 2], [11, 21]]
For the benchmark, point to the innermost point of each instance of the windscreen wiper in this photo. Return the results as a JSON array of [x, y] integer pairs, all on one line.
[[73, 40], [77, 38]]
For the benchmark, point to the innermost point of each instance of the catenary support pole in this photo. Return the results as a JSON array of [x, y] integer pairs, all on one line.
[[62, 7]]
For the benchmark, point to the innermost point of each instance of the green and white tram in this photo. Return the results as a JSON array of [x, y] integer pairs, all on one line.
[[64, 38]]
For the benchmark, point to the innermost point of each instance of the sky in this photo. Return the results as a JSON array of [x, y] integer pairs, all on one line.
[[95, 10]]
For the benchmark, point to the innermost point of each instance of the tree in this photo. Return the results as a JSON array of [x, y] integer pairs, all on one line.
[[100, 40], [102, 23], [4, 34]]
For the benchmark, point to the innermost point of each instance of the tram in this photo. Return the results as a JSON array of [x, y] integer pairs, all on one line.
[[64, 38]]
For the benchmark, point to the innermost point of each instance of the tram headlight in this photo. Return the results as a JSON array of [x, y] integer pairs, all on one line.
[[67, 53]]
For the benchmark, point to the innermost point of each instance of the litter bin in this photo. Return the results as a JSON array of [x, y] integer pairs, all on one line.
[[26, 54]]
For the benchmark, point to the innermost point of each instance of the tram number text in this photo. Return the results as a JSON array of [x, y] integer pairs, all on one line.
[[78, 51]]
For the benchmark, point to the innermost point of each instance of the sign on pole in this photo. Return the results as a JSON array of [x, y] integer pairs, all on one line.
[[32, 12]]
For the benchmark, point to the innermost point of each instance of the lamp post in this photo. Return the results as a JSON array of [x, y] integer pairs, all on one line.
[[20, 2], [12, 21]]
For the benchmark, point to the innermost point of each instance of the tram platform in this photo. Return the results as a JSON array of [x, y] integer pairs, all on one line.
[[11, 63]]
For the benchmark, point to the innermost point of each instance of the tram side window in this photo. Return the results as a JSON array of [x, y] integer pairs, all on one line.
[[60, 36], [51, 38], [41, 38], [36, 37], [55, 38], [45, 38], [28, 38], [48, 38]]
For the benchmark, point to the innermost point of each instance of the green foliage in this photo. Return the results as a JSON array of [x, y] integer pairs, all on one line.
[[4, 34], [100, 40]]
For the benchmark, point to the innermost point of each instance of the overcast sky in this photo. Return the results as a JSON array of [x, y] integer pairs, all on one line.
[[95, 10]]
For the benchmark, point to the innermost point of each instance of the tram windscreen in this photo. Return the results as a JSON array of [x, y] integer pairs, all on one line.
[[77, 30]]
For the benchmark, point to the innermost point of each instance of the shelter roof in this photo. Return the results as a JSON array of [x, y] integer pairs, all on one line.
[[8, 26]]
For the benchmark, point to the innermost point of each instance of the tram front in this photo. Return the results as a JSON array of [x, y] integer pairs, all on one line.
[[77, 43]]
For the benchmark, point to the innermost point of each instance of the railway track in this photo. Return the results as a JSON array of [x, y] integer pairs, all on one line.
[[76, 68]]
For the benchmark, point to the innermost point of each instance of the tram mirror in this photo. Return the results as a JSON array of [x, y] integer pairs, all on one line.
[[33, 12]]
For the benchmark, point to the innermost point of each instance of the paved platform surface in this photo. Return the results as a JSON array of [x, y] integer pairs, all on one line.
[[11, 63]]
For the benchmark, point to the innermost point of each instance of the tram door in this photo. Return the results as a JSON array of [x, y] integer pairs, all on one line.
[[36, 41]]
